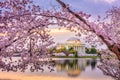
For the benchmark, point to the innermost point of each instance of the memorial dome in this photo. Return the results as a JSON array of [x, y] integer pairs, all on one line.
[[73, 40]]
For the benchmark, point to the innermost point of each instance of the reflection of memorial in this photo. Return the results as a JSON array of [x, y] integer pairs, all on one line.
[[74, 67], [92, 63]]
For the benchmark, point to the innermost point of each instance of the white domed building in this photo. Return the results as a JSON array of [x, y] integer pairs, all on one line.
[[75, 43]]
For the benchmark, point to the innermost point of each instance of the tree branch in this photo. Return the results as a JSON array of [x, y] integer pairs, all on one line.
[[92, 29], [73, 13]]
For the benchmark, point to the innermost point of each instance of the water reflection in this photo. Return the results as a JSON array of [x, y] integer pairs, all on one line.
[[58, 69], [74, 67]]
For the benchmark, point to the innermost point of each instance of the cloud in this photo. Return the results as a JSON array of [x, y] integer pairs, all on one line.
[[59, 31], [107, 1]]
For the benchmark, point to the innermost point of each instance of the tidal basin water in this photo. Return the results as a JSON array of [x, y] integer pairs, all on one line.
[[64, 69]]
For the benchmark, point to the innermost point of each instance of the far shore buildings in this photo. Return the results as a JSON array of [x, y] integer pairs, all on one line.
[[75, 43]]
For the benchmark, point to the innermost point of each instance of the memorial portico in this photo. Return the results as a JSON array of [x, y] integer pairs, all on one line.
[[75, 43]]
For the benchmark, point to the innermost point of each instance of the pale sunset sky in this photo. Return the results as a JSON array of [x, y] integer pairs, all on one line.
[[93, 7]]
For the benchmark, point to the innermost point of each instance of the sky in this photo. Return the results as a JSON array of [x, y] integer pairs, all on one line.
[[93, 7], [62, 35]]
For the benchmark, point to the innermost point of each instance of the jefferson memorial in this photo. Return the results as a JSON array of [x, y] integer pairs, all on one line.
[[75, 43]]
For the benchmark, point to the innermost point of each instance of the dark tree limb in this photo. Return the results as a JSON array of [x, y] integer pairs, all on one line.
[[73, 13]]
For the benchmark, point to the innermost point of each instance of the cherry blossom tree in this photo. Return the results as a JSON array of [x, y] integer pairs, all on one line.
[[108, 33], [19, 25], [24, 29], [110, 67]]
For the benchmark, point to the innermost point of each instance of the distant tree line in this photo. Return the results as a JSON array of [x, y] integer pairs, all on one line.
[[68, 51], [91, 50]]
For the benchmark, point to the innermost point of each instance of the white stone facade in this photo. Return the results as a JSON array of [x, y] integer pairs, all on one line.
[[75, 43]]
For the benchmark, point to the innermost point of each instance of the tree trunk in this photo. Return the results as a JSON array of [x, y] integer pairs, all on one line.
[[115, 49]]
